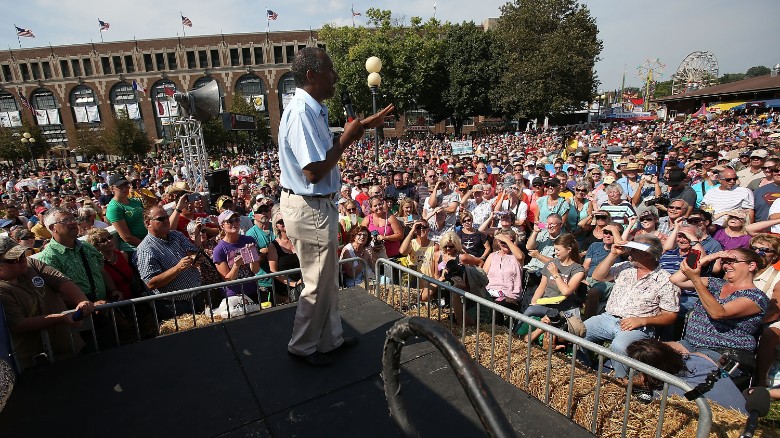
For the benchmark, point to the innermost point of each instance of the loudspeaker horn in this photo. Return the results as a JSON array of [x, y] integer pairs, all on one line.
[[201, 104]]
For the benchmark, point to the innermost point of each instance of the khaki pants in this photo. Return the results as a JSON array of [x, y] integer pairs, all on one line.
[[312, 225]]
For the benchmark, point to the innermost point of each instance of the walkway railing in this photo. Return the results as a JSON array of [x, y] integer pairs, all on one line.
[[405, 297]]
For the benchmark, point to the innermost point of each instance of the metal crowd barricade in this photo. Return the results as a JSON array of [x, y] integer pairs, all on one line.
[[188, 295], [404, 302]]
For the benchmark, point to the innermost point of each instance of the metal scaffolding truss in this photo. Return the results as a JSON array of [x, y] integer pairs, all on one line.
[[189, 133]]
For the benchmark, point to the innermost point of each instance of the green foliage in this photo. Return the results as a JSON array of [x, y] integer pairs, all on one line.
[[126, 139], [12, 148], [89, 142], [261, 137], [548, 50], [731, 77], [216, 138], [756, 71], [663, 89]]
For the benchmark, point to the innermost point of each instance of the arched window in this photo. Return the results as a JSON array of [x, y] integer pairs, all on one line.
[[10, 117], [286, 90], [165, 107], [84, 103], [253, 89], [124, 102], [47, 115]]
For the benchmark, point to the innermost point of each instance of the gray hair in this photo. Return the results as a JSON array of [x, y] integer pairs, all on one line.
[[614, 187], [685, 203], [308, 58], [86, 211], [51, 216], [656, 248]]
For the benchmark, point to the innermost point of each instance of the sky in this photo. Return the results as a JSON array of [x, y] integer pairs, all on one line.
[[632, 31]]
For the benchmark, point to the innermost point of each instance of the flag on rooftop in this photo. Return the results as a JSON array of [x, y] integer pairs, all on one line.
[[24, 32], [103, 25], [355, 14], [138, 87], [186, 21], [25, 102], [272, 15]]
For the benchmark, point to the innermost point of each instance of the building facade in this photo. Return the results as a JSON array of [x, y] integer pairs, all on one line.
[[85, 86]]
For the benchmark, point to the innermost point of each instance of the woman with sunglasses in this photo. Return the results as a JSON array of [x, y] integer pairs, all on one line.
[[474, 241], [388, 229], [594, 224], [451, 248], [648, 224], [420, 250], [579, 209], [737, 233], [229, 258], [560, 279], [552, 202], [767, 246], [729, 312]]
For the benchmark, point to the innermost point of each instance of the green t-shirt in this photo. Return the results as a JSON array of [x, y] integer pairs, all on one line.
[[133, 215], [263, 240]]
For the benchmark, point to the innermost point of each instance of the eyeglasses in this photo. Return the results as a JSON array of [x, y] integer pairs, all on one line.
[[518, 169], [424, 227], [673, 207], [708, 161], [595, 173], [14, 261], [449, 246], [161, 218], [730, 261], [769, 169], [762, 250], [550, 185], [352, 209], [601, 217], [553, 224], [645, 218], [482, 179], [67, 221], [728, 179], [233, 220], [695, 220], [102, 240], [431, 176], [580, 190], [607, 233], [467, 220]]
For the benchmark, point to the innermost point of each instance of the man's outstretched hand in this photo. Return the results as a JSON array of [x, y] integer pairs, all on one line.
[[354, 130]]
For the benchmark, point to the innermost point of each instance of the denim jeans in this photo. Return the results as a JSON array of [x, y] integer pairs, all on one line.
[[606, 327]]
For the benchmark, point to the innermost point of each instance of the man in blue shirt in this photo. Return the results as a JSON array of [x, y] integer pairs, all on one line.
[[308, 158]]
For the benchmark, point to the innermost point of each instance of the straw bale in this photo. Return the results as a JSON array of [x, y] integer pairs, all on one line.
[[185, 322], [680, 416]]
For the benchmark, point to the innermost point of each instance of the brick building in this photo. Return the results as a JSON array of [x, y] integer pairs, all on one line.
[[86, 85]]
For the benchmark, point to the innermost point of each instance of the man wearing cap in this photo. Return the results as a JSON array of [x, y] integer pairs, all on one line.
[[678, 189], [641, 299], [39, 229], [34, 295], [630, 180], [165, 260], [753, 171], [263, 233], [308, 157]]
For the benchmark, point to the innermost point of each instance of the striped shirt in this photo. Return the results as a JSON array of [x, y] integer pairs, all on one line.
[[155, 256], [727, 200]]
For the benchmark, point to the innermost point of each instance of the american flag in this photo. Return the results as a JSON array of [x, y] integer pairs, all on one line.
[[25, 102], [103, 25], [24, 32], [272, 15], [186, 21], [355, 14]]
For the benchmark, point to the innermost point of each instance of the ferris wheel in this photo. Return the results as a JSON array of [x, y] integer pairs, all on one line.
[[649, 72], [698, 70]]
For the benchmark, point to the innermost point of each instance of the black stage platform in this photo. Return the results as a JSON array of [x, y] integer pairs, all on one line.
[[235, 380]]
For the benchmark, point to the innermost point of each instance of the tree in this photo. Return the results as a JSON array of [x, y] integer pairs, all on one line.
[[663, 89], [126, 139], [731, 77], [90, 142], [12, 148], [262, 134], [215, 137], [467, 73], [548, 50], [756, 71]]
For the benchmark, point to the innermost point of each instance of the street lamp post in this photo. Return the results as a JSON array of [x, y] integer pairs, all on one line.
[[29, 140], [373, 66]]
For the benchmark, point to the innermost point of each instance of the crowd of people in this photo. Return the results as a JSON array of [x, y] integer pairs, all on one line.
[[623, 234]]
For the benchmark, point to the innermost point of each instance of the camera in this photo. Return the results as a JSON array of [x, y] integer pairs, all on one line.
[[374, 241], [556, 319], [659, 200], [454, 269]]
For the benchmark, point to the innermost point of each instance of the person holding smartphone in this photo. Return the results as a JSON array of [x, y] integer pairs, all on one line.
[[730, 310]]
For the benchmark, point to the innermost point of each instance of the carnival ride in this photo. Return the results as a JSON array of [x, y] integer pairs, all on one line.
[[698, 70]]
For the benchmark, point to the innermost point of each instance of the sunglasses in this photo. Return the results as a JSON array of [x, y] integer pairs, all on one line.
[[762, 250], [730, 261], [352, 209], [601, 217], [467, 220], [580, 190], [769, 169], [233, 220], [102, 240], [729, 179], [607, 233], [424, 227], [449, 246], [550, 185], [695, 220], [160, 218], [645, 218], [672, 207]]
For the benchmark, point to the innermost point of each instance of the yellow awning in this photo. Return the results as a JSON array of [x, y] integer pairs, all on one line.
[[724, 106]]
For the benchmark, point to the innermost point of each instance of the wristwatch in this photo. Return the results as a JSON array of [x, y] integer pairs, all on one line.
[[694, 242], [554, 277]]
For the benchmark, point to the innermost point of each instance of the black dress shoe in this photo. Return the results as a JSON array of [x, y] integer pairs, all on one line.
[[349, 341], [315, 359]]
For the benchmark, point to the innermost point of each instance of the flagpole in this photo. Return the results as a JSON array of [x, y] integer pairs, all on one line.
[[353, 15], [182, 24], [17, 36], [267, 22], [101, 31]]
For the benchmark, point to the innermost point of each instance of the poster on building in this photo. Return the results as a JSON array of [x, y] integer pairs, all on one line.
[[258, 102], [462, 147]]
